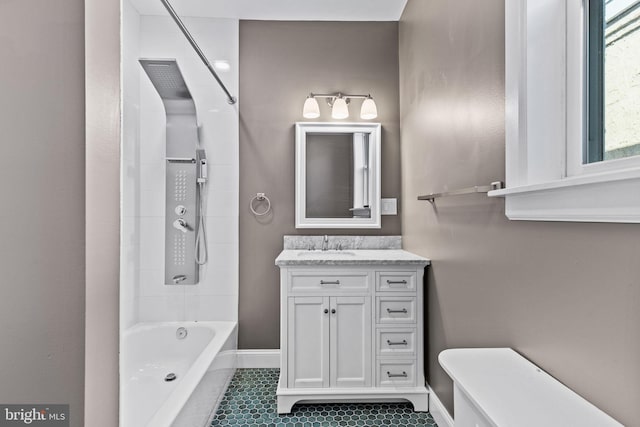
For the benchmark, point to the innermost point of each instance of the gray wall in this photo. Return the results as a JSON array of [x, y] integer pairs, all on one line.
[[565, 295], [42, 216], [102, 58], [280, 63]]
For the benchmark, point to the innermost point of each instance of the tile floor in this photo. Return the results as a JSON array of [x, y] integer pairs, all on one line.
[[251, 401]]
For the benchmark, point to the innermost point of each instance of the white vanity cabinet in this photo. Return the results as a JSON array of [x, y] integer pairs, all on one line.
[[329, 341], [351, 331]]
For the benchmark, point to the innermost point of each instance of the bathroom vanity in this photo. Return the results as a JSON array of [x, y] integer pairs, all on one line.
[[351, 324]]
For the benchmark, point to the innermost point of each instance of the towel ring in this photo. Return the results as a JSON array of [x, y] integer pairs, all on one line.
[[260, 197]]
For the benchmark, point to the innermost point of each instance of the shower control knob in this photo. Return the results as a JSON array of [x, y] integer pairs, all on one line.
[[180, 224], [180, 210]]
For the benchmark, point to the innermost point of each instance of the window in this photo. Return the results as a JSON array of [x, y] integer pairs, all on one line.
[[572, 110], [613, 61]]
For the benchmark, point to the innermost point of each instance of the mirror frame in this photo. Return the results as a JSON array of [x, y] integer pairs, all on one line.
[[375, 141]]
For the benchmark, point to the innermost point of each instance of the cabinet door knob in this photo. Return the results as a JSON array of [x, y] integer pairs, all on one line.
[[402, 375], [333, 311], [329, 282], [326, 311]]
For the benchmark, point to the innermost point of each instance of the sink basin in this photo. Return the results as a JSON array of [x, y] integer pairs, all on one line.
[[332, 253]]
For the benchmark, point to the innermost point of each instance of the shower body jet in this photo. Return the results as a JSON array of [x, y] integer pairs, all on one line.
[[183, 224]]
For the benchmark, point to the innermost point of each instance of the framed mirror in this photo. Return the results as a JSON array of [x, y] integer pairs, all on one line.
[[338, 175]]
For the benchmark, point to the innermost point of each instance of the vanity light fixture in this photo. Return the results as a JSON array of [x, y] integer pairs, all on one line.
[[311, 109], [339, 110], [339, 106], [368, 110]]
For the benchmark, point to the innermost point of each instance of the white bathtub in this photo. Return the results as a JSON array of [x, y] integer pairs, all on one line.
[[204, 360]]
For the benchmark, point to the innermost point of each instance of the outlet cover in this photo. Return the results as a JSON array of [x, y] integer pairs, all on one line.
[[389, 206]]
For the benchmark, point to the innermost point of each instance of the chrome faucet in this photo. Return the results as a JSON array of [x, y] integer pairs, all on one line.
[[181, 224], [325, 243], [179, 278]]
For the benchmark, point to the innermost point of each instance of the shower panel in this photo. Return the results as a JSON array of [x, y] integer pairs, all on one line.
[[185, 172]]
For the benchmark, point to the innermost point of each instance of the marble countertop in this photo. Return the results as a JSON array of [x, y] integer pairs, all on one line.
[[293, 257]]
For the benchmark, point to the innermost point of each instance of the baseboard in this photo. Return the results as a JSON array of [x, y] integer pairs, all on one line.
[[438, 411], [258, 358]]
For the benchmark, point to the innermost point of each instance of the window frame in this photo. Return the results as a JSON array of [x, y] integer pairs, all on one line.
[[546, 119]]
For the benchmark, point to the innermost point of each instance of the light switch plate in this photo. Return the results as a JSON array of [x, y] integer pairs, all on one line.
[[389, 206]]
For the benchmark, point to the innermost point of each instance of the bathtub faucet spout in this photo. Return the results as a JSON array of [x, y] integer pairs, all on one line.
[[179, 278]]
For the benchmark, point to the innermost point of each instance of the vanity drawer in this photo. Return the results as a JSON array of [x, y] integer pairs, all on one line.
[[394, 309], [330, 281], [396, 373], [396, 281], [396, 341]]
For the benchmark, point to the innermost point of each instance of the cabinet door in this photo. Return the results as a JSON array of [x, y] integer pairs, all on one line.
[[350, 346], [308, 342]]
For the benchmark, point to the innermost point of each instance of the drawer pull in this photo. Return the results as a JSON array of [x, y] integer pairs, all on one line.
[[327, 282], [402, 375], [404, 311], [404, 342], [396, 282]]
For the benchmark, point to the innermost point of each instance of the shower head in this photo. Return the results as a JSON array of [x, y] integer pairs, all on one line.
[[182, 127], [166, 78]]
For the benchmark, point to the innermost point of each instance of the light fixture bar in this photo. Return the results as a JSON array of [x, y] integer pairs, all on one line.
[[337, 94], [339, 102]]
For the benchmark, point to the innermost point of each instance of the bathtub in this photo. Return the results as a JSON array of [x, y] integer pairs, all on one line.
[[203, 363]]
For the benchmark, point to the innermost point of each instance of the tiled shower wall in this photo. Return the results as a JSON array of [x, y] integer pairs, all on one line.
[[130, 185], [145, 297]]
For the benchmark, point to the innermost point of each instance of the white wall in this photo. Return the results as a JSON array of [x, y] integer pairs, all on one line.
[[130, 184], [216, 296]]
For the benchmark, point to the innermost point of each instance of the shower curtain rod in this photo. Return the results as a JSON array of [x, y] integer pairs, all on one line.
[[230, 98]]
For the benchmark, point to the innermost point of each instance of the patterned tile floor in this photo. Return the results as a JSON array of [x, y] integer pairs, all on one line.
[[251, 401]]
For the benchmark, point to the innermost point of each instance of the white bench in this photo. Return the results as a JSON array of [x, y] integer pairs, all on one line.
[[496, 387]]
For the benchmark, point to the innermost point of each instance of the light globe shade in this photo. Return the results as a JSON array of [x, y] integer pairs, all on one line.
[[311, 109], [369, 110], [340, 109]]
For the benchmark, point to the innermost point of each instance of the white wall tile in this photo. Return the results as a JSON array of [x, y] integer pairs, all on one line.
[[128, 291], [219, 135], [221, 177], [152, 284], [151, 243], [159, 37], [166, 308], [152, 136], [130, 197], [130, 150], [221, 230], [219, 201], [129, 261], [129, 231], [211, 307], [152, 176], [152, 203], [220, 275]]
